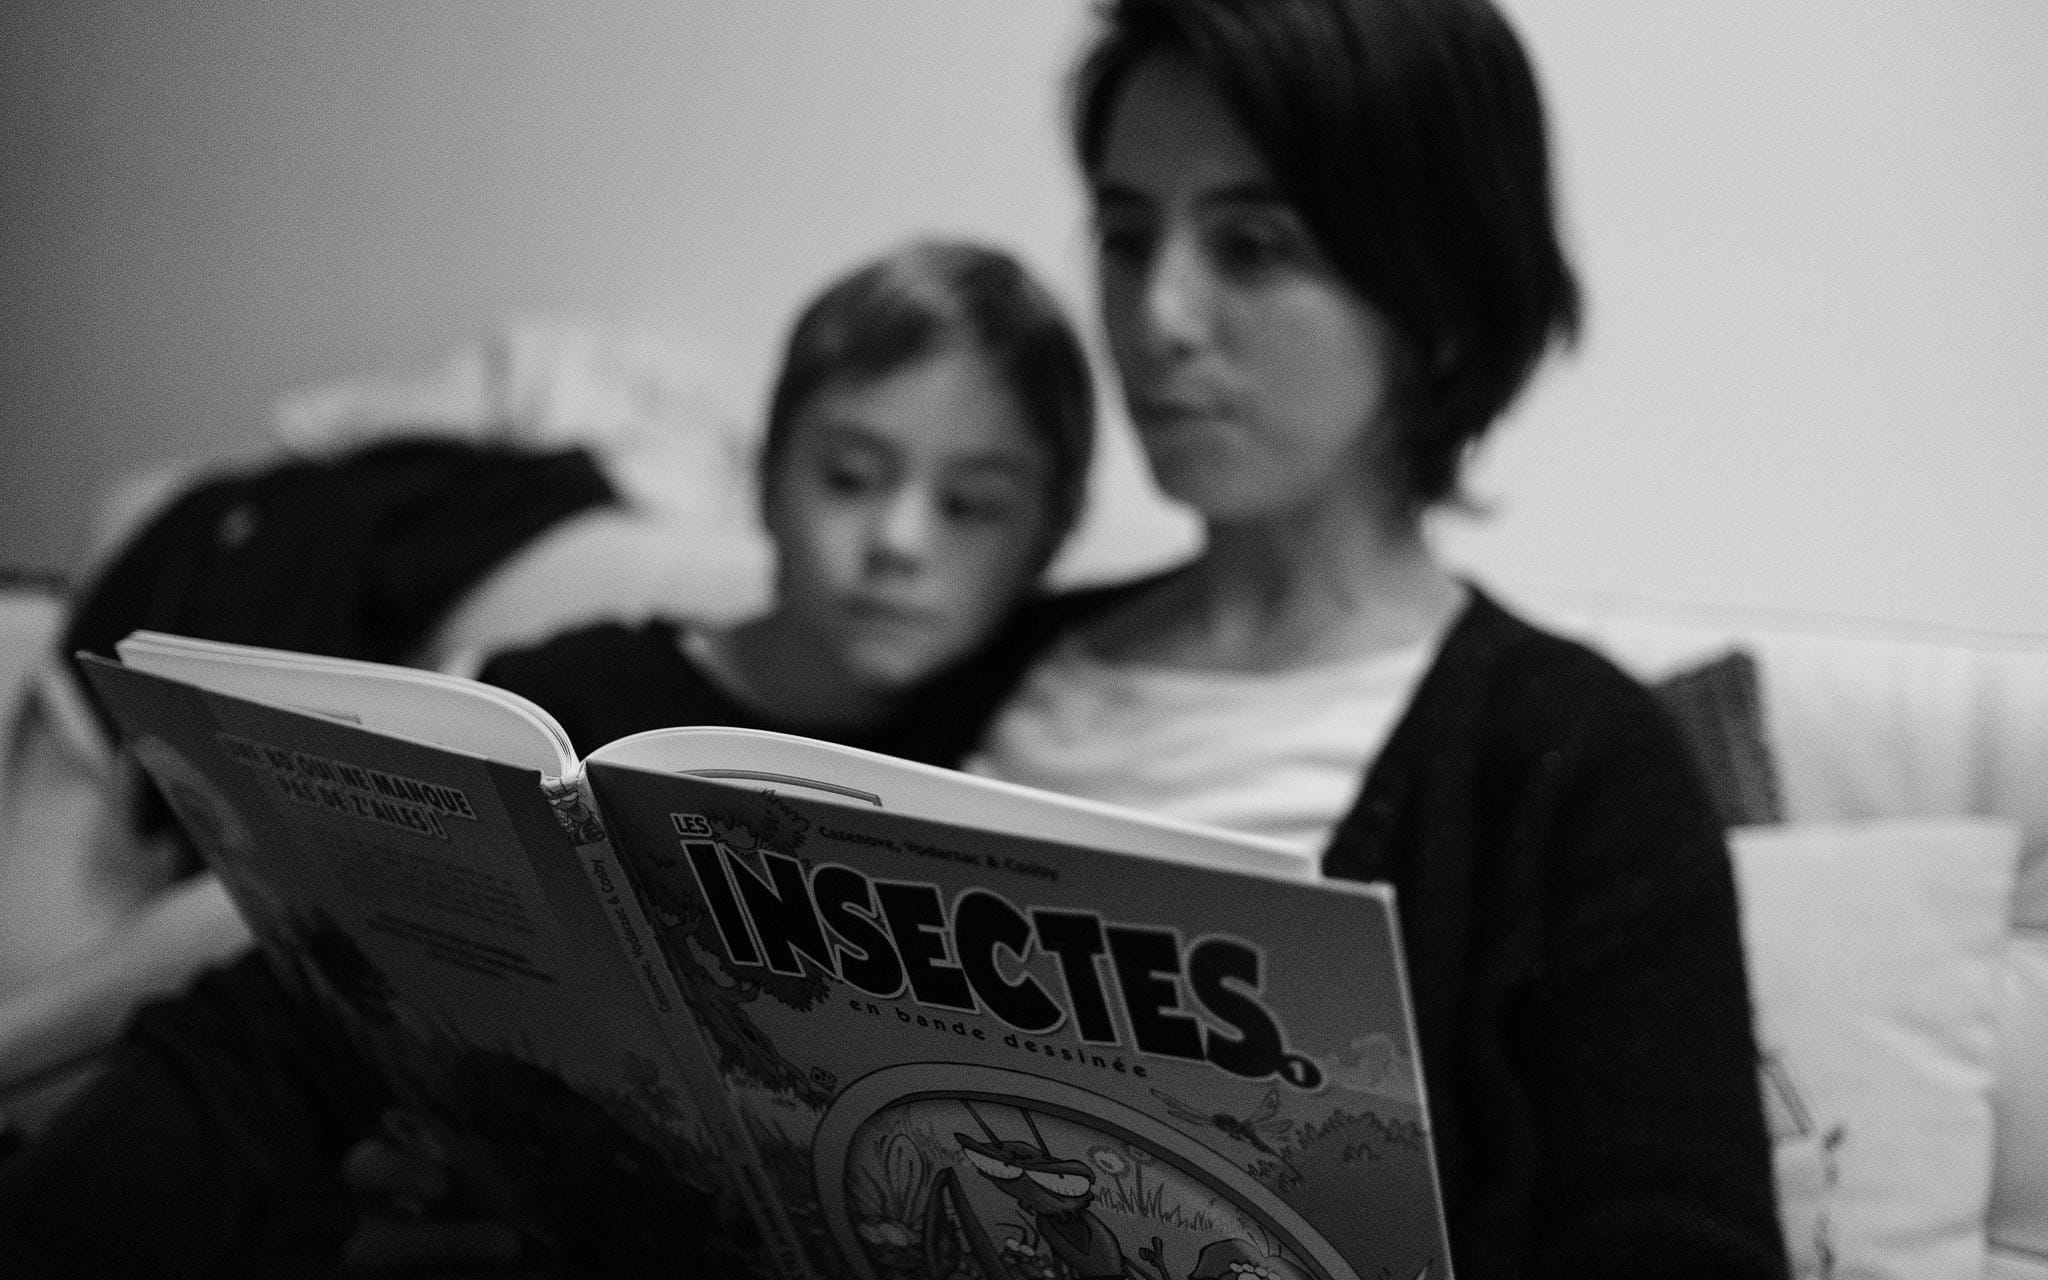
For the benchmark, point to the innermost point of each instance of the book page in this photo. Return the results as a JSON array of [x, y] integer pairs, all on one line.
[[781, 761], [423, 706]]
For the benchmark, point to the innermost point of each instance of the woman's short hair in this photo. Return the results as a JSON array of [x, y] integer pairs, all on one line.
[[933, 295], [1409, 137]]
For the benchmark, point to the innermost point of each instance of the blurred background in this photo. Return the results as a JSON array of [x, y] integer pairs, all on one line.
[[1815, 376]]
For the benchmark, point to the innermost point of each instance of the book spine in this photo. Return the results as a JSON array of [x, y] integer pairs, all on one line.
[[637, 940]]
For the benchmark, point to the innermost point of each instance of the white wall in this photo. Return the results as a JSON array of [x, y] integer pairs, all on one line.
[[1812, 235], [1816, 239], [207, 202]]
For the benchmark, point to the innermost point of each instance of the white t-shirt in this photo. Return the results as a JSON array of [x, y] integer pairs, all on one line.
[[1278, 754]]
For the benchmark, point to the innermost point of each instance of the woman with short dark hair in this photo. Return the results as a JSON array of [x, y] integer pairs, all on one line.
[[1327, 261], [1409, 140]]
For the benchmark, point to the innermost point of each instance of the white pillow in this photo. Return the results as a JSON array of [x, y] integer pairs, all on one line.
[[1875, 952], [609, 563]]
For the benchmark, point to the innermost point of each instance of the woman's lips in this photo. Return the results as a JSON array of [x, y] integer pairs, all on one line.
[[888, 613], [1177, 425], [1173, 411]]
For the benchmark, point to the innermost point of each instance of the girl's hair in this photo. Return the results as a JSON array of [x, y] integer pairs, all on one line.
[[931, 296], [1409, 137]]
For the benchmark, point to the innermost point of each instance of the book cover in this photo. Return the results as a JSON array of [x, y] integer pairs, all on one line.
[[477, 949], [839, 1017], [968, 1054]]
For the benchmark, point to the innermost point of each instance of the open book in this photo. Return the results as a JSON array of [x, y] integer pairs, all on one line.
[[724, 999]]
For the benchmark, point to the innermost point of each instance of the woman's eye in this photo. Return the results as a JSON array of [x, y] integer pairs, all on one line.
[[1124, 246], [1249, 250]]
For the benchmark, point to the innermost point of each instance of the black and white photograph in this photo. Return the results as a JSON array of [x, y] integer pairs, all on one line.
[[1053, 639]]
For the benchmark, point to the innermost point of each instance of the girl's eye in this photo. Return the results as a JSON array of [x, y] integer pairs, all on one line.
[[851, 475], [971, 509]]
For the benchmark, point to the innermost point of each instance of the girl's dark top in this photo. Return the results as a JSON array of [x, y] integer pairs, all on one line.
[[610, 680]]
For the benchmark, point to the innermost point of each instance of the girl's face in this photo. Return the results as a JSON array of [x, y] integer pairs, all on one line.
[[1256, 376], [909, 514]]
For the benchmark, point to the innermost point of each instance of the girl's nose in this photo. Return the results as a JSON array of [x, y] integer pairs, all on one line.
[[904, 527]]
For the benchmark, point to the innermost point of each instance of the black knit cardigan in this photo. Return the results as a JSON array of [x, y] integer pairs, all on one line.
[[1569, 919]]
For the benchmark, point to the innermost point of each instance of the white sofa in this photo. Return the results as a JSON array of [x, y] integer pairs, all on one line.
[[1864, 723], [1867, 724]]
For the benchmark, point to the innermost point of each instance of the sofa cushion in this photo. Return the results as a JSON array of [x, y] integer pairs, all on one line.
[[2019, 1206], [1901, 724], [2007, 1265], [1876, 954], [1863, 719]]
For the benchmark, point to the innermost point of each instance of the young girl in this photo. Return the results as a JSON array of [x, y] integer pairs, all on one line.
[[926, 448], [928, 438]]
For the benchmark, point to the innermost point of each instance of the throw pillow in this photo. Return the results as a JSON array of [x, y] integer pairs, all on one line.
[[1875, 952], [1718, 705]]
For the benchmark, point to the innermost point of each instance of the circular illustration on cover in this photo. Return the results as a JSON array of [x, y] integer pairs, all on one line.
[[947, 1170]]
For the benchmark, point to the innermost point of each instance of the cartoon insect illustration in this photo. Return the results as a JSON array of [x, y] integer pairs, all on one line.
[[1055, 1195], [1253, 1129]]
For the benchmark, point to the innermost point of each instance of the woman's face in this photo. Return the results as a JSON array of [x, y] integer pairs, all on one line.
[[1256, 376], [909, 514]]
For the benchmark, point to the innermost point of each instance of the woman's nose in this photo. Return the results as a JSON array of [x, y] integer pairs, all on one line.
[[1177, 296]]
